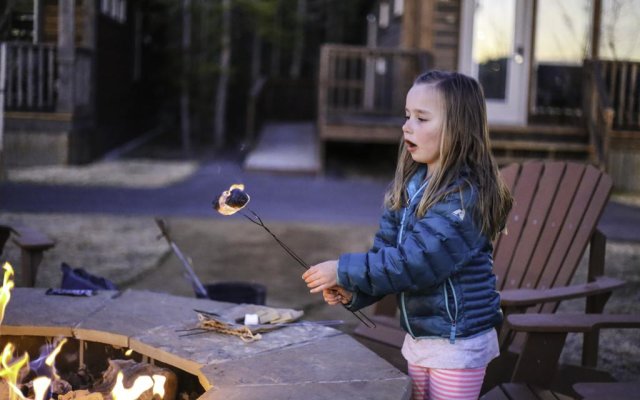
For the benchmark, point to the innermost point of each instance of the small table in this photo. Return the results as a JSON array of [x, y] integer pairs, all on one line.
[[32, 243]]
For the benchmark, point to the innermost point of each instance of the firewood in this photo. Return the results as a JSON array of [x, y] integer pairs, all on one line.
[[81, 395]]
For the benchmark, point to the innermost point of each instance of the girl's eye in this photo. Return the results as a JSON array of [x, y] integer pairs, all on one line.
[[422, 120], [406, 117]]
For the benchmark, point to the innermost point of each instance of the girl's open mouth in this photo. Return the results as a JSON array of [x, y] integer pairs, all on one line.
[[410, 145]]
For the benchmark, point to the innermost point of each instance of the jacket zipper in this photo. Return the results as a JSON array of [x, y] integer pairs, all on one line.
[[454, 317], [404, 215]]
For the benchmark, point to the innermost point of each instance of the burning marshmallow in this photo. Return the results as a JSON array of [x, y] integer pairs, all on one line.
[[231, 201]]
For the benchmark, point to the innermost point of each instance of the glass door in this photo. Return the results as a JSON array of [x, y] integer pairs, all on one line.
[[495, 49]]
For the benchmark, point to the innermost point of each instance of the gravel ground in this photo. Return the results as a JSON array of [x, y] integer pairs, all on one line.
[[127, 251]]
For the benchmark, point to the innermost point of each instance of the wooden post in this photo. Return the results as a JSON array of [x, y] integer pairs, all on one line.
[[66, 55], [595, 31], [410, 23], [368, 96], [594, 304]]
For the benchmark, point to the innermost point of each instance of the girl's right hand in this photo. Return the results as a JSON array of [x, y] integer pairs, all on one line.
[[337, 295]]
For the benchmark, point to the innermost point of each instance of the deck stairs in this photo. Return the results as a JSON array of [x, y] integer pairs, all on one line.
[[520, 143], [286, 147]]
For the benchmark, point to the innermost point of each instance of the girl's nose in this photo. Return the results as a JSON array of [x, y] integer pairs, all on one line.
[[405, 127]]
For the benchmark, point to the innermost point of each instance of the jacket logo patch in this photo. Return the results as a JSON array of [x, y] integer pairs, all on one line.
[[459, 213]]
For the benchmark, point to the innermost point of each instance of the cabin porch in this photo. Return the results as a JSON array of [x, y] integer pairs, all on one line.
[[361, 97]]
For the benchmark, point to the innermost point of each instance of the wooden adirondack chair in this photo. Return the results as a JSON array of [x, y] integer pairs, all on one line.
[[537, 362], [556, 210]]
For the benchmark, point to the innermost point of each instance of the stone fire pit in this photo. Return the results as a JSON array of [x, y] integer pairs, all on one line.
[[313, 361]]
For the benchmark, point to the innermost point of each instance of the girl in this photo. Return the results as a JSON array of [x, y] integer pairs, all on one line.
[[433, 249]]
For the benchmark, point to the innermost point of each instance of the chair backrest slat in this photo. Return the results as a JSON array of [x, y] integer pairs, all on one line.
[[522, 271], [567, 237], [523, 191], [565, 191], [509, 175], [587, 226]]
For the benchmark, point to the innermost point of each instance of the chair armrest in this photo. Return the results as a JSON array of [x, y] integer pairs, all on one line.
[[570, 322], [531, 297], [607, 390]]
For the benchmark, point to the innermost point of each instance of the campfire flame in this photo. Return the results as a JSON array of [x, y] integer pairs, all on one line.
[[11, 370], [5, 290], [41, 387], [140, 385]]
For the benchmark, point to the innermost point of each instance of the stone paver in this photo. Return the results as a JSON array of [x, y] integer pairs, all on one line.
[[31, 312]]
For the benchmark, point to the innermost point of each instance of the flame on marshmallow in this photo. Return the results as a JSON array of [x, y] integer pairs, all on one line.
[[222, 205]]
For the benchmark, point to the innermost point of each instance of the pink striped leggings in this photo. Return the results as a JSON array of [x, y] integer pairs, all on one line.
[[446, 384]]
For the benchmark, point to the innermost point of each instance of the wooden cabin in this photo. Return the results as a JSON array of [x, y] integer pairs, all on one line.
[[67, 72], [557, 81]]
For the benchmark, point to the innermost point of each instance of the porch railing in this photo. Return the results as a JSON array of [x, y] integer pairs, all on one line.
[[30, 83], [622, 80], [362, 80], [611, 103]]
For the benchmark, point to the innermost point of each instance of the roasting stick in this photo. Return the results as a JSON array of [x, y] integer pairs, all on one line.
[[258, 221], [195, 282], [235, 199]]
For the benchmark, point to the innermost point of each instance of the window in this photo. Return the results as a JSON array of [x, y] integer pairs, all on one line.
[[398, 7], [383, 21], [619, 30], [561, 44], [114, 9]]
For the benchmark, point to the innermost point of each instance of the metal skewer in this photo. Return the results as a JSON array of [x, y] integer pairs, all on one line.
[[258, 221]]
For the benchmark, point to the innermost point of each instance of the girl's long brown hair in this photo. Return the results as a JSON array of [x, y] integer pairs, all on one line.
[[464, 153]]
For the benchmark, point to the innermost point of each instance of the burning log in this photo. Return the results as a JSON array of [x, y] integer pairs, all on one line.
[[81, 395]]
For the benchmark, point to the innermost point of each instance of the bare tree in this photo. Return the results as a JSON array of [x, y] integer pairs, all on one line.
[[185, 116], [296, 62], [223, 78], [6, 13]]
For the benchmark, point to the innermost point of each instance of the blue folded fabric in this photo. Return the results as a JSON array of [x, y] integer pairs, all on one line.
[[78, 278]]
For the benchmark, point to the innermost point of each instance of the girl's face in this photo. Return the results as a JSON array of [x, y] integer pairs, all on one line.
[[423, 126]]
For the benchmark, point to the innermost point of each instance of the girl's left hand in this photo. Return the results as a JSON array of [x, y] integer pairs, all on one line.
[[321, 276]]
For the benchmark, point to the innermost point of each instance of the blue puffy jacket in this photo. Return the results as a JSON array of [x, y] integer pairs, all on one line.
[[440, 267]]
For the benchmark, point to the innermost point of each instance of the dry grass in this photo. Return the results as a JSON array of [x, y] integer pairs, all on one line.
[[118, 248], [138, 173]]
